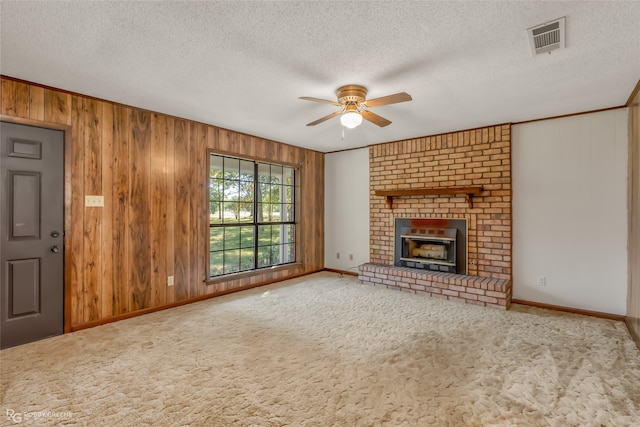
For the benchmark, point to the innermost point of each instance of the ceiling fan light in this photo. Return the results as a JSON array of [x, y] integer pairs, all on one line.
[[350, 119]]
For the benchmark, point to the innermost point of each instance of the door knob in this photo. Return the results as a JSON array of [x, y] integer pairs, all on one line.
[[55, 249], [55, 234]]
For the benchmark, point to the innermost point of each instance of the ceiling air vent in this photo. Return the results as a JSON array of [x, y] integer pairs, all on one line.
[[546, 37]]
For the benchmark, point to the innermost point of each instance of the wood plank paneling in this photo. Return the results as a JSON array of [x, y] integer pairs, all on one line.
[[201, 215], [120, 218], [633, 294], [182, 229], [8, 96], [22, 100], [195, 199], [151, 170], [57, 107], [92, 215], [139, 211], [106, 259], [76, 263], [171, 204], [158, 207], [36, 103], [313, 233]]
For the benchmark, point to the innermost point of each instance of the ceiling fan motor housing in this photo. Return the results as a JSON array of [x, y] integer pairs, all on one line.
[[351, 94]]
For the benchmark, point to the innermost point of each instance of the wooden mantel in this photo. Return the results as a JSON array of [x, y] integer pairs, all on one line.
[[467, 191]]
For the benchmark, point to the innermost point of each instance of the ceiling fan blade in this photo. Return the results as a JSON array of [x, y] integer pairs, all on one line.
[[308, 98], [325, 118], [389, 99], [375, 119]]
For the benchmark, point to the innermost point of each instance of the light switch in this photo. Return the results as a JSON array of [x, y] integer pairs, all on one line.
[[94, 201]]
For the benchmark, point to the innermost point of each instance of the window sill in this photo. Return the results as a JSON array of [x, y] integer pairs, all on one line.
[[251, 273]]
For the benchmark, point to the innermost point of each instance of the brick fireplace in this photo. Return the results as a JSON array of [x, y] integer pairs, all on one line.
[[461, 175]]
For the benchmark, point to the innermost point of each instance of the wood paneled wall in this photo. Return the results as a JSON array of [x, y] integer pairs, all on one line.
[[151, 170], [633, 297]]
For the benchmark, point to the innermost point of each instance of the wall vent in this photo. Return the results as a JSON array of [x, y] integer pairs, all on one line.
[[546, 37]]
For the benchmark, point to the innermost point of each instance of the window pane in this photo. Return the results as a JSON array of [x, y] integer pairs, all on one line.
[[263, 192], [247, 237], [230, 192], [263, 213], [264, 256], [287, 212], [276, 255], [288, 194], [231, 212], [275, 213], [246, 170], [287, 175], [274, 194], [275, 234], [276, 174], [264, 172], [246, 259], [216, 166], [215, 195], [289, 254], [216, 238], [281, 234], [289, 233], [231, 238], [245, 191], [231, 168], [264, 235], [216, 263], [215, 189], [266, 212], [216, 212], [231, 261], [246, 212]]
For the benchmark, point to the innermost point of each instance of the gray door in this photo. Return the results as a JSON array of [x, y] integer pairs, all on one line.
[[31, 233]]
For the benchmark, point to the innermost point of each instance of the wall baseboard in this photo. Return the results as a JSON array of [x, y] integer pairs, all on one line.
[[346, 272], [599, 314]]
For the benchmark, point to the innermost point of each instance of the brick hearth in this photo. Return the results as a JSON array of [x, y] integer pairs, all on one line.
[[476, 290], [479, 157]]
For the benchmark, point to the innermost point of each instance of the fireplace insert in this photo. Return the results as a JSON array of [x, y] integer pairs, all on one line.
[[431, 248]]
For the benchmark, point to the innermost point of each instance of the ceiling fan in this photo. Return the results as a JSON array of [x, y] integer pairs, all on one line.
[[354, 103]]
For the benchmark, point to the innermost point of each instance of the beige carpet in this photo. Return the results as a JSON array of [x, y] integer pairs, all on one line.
[[327, 351]]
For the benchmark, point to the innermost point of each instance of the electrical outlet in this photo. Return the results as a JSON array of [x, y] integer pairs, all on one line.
[[350, 257], [542, 281], [170, 281], [337, 255], [94, 201]]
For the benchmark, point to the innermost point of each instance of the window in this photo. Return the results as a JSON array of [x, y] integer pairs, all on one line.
[[251, 215]]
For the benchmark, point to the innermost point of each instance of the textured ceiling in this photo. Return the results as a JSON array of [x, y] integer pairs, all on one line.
[[243, 65]]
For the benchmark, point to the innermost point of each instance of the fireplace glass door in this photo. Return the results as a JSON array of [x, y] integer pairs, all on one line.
[[429, 251]]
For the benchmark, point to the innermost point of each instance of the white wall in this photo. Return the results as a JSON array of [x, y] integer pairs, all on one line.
[[346, 218], [570, 211]]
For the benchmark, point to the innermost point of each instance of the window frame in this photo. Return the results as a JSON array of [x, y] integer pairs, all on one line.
[[256, 269]]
